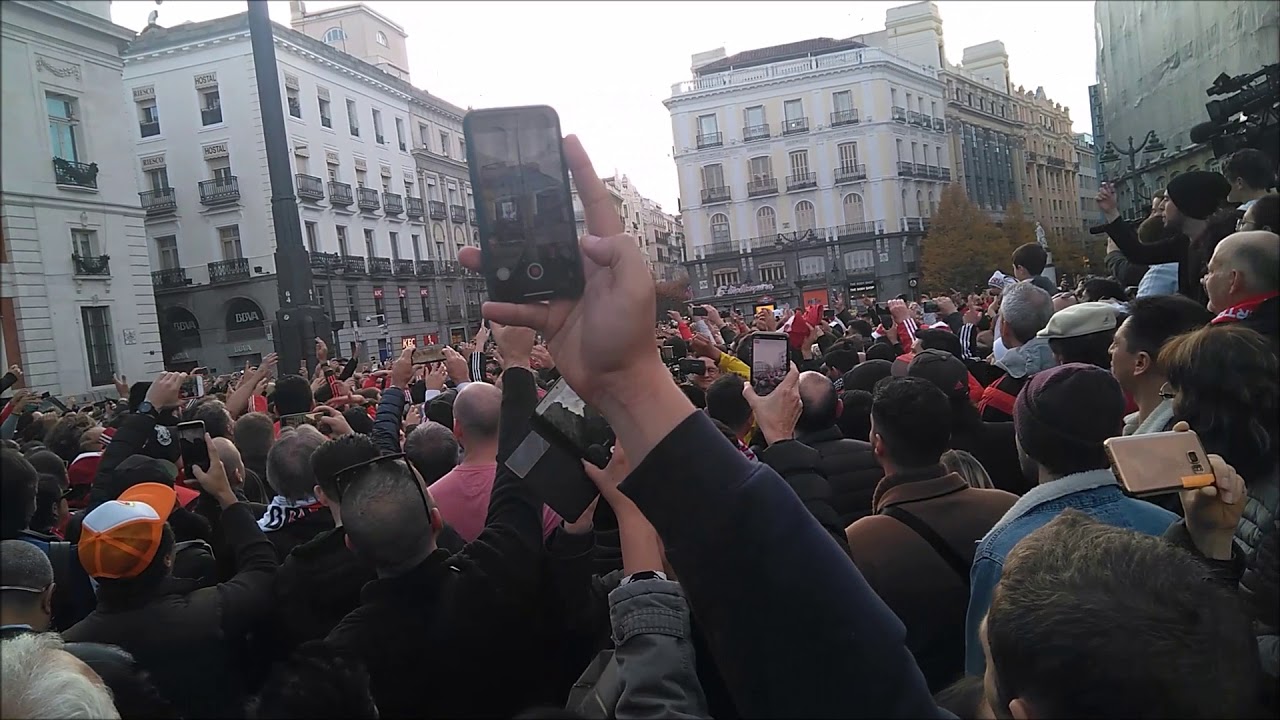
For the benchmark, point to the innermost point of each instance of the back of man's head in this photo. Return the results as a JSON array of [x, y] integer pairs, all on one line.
[[1091, 620], [1256, 255], [254, 434], [47, 462], [1031, 257], [855, 414], [289, 471], [1063, 415], [819, 402], [27, 577], [18, 485], [338, 454], [1025, 309], [840, 360], [229, 454], [213, 413], [1155, 319], [1250, 166], [476, 413], [432, 449], [293, 395], [939, 339], [384, 516], [910, 422], [726, 403], [41, 680]]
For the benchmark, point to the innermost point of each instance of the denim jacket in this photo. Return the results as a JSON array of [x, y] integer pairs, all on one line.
[[654, 652], [1094, 493]]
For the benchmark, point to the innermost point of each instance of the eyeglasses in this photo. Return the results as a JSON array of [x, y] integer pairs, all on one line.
[[344, 477], [23, 588], [1166, 392]]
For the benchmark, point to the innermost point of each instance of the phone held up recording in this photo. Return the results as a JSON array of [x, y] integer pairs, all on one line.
[[524, 207], [769, 361], [1159, 463], [195, 452], [565, 422]]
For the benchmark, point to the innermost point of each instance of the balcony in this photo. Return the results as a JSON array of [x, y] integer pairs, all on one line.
[[159, 202], [844, 117], [413, 207], [354, 265], [392, 203], [1031, 156], [310, 187], [220, 191], [939, 124], [752, 133], [922, 170], [98, 265], [69, 173], [762, 186], [802, 181], [906, 169], [458, 213], [379, 266], [1057, 162], [724, 247], [714, 195], [795, 126], [944, 174], [171, 279], [367, 199], [325, 262], [402, 267], [933, 172], [851, 173], [149, 129], [211, 116], [710, 140], [340, 194], [913, 117], [424, 268], [913, 224], [436, 210], [765, 242], [471, 216], [224, 271], [857, 230], [898, 113]]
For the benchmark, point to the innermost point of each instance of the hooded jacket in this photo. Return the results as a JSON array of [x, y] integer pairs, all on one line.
[[850, 468], [1019, 364]]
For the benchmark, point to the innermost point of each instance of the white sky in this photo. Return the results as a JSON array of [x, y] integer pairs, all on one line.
[[607, 66]]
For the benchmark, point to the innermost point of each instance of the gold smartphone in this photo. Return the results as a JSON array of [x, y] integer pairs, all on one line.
[[1159, 463]]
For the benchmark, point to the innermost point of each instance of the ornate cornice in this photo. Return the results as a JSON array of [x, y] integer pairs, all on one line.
[[72, 70]]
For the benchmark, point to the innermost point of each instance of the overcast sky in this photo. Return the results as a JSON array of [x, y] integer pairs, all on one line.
[[607, 66]]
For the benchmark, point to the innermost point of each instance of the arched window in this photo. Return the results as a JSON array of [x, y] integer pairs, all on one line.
[[459, 237], [766, 222], [437, 232], [919, 203], [475, 238], [381, 37], [904, 202], [719, 228], [933, 202], [854, 212], [334, 35], [806, 218]]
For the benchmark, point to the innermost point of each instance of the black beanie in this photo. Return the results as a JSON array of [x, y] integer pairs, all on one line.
[[865, 375], [1198, 194], [1063, 415]]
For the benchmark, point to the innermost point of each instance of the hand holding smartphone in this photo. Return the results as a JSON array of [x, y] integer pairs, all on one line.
[[195, 452], [769, 361], [1159, 463]]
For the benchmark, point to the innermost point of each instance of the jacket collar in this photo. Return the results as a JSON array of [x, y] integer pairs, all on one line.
[[169, 586], [417, 585], [1158, 421], [914, 485], [1028, 359], [825, 435], [1055, 489]]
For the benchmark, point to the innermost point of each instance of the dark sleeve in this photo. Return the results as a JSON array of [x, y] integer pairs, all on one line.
[[1226, 573], [8, 381], [1166, 250], [955, 321], [792, 625], [799, 466], [246, 597], [128, 440], [728, 335], [1125, 272], [386, 423], [476, 365], [571, 562], [349, 369]]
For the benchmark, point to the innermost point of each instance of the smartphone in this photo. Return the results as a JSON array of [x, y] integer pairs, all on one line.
[[193, 386], [668, 353], [769, 361], [697, 311], [296, 419], [195, 453], [562, 418], [528, 235], [53, 401], [693, 366], [1159, 463], [428, 354], [335, 385], [930, 307]]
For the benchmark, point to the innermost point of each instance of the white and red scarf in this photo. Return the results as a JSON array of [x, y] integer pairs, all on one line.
[[282, 512], [1243, 309]]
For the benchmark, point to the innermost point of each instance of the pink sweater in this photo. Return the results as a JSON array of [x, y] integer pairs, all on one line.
[[463, 498]]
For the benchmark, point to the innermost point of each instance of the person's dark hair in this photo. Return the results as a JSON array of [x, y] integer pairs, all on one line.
[[841, 360], [132, 690], [726, 403], [1090, 620], [742, 350], [1092, 349], [315, 682], [359, 420], [881, 351], [696, 395], [867, 374], [1225, 377], [433, 450], [855, 417], [963, 698], [38, 429], [46, 461], [64, 438], [123, 590], [819, 403], [440, 409], [289, 470], [384, 517], [340, 453], [862, 327], [939, 339], [1249, 165], [1032, 257], [48, 498], [1154, 320], [1097, 289], [913, 418], [1266, 212], [18, 487], [214, 415], [254, 434], [293, 395]]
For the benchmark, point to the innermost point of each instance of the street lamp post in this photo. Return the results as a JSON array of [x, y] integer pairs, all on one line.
[[1150, 142]]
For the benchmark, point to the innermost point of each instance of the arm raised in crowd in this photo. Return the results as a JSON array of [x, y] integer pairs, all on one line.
[[386, 423], [1122, 233], [238, 400], [164, 395], [10, 378]]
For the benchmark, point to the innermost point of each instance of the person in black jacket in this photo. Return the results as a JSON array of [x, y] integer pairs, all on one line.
[[294, 515], [849, 465]]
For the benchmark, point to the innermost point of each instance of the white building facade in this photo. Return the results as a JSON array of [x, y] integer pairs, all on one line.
[[367, 213], [76, 305]]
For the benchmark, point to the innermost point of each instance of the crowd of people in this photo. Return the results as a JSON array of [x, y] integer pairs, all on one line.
[[920, 520]]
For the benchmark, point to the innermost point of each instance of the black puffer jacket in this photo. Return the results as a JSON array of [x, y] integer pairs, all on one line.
[[850, 468], [1260, 588]]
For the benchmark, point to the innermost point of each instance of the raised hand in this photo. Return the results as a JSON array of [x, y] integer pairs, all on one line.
[[332, 423], [456, 364], [540, 358], [435, 376], [322, 351], [515, 344], [166, 391], [1106, 199], [402, 370], [776, 413], [214, 481], [122, 385]]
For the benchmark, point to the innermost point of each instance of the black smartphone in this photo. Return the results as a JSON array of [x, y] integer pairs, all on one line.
[[828, 314], [562, 418], [693, 366], [668, 353], [697, 311], [930, 307], [195, 453], [769, 364], [296, 419], [528, 235], [53, 401]]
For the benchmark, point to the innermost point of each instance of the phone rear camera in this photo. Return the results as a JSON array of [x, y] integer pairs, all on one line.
[[534, 271], [1193, 457]]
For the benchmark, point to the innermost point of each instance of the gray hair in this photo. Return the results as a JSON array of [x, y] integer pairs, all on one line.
[[1256, 254], [41, 680], [289, 470], [432, 449], [1025, 309], [24, 566]]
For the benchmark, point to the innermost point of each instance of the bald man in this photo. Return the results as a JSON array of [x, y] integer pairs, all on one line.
[[848, 463], [462, 495], [1243, 281]]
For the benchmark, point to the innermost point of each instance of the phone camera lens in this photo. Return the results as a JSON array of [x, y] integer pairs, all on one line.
[[1193, 457]]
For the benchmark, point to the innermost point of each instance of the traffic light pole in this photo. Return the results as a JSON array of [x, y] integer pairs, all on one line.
[[299, 320]]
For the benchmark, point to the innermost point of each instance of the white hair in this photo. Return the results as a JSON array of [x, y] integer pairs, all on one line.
[[41, 680]]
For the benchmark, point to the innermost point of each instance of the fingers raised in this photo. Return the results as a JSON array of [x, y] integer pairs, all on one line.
[[602, 218]]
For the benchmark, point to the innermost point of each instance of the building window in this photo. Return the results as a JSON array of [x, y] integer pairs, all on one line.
[[848, 156], [761, 168], [813, 265], [370, 244], [854, 212], [63, 125], [294, 100], [437, 234], [158, 179], [381, 38], [326, 112], [424, 135], [444, 143], [459, 238], [344, 247], [97, 344], [806, 216], [379, 307], [229, 241], [404, 306], [334, 35], [860, 260], [313, 241], [417, 246], [332, 169], [462, 149], [400, 137], [800, 163], [395, 245], [362, 176], [148, 119], [353, 306], [220, 168], [842, 102], [719, 228], [210, 107], [353, 121], [724, 276], [708, 128], [426, 303], [712, 177], [167, 252], [772, 273], [766, 222], [84, 243], [377, 127]]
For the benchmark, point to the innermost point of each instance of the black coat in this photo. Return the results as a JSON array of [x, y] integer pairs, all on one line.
[[850, 468], [1265, 320], [300, 531], [993, 444]]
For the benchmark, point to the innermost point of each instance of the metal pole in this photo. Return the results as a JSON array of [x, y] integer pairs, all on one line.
[[299, 320]]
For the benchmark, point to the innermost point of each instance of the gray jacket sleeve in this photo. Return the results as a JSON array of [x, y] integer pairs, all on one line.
[[654, 654]]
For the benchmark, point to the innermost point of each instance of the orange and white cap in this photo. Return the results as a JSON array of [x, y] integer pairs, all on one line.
[[120, 538]]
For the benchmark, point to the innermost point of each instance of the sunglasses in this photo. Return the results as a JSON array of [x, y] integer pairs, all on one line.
[[343, 478], [1166, 392]]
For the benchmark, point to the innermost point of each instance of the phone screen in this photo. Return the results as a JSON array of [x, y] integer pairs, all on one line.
[[195, 453], [193, 386], [564, 416], [296, 419], [768, 361], [428, 354], [528, 236]]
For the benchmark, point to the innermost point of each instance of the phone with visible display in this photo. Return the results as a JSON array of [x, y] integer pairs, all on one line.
[[195, 453], [528, 235], [296, 419], [428, 354], [1159, 463], [575, 432], [697, 311], [769, 364], [193, 387]]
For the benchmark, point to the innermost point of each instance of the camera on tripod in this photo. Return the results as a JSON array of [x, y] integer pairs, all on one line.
[[1246, 117]]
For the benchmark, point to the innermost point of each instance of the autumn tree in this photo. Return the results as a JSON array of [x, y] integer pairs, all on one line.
[[1078, 256], [963, 246], [1017, 229], [672, 295]]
